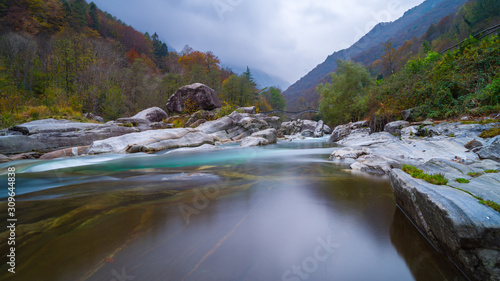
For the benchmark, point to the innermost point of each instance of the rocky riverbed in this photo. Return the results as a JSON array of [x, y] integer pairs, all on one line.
[[457, 218], [146, 132]]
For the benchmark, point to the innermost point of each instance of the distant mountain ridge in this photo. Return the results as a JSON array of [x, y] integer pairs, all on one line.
[[262, 78], [369, 48]]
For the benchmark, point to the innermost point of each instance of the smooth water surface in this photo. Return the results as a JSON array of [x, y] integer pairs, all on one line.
[[281, 212]]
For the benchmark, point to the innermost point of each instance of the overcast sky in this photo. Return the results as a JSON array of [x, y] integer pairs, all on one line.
[[285, 38]]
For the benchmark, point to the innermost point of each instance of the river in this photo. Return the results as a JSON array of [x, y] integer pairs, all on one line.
[[280, 212]]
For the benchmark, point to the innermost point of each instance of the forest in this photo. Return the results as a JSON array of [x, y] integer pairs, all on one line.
[[62, 58], [425, 74]]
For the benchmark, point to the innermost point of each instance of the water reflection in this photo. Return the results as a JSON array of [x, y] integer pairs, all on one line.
[[275, 213]]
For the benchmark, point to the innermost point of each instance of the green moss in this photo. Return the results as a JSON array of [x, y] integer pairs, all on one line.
[[437, 179], [461, 180], [474, 174], [493, 132], [491, 171], [491, 204], [488, 203]]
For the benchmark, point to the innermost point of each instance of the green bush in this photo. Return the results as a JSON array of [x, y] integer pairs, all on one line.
[[226, 109], [491, 171]]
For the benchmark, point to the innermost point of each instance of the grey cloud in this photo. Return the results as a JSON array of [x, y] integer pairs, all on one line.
[[286, 38]]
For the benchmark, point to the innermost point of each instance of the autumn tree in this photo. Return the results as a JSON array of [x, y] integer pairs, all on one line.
[[201, 67], [389, 59]]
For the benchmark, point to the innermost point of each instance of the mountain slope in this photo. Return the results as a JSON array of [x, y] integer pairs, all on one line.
[[414, 22]]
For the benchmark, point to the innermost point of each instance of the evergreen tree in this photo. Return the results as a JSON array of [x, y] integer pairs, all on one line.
[[78, 13]]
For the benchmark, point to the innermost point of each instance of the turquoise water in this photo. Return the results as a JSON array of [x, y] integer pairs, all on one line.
[[281, 212]]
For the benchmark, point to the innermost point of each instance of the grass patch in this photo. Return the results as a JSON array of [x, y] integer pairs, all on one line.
[[491, 204], [461, 180], [32, 113], [474, 174], [488, 203], [437, 179], [491, 171], [491, 133]]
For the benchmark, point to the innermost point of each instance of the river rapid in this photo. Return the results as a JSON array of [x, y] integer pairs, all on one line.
[[279, 212]]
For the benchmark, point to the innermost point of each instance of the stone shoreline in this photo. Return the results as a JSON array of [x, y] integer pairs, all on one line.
[[145, 132], [450, 216]]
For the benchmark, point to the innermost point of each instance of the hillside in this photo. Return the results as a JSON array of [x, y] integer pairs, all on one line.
[[431, 77], [369, 48], [64, 58]]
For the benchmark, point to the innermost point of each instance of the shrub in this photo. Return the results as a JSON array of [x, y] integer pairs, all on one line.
[[461, 180], [191, 106], [226, 109]]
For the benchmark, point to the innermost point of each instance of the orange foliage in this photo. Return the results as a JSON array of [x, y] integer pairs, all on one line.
[[132, 55], [207, 60]]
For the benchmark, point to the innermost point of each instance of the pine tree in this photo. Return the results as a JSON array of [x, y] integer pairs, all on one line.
[[78, 13], [94, 17]]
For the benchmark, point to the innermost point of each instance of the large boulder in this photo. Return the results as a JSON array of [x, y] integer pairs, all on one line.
[[454, 221], [153, 114], [151, 141], [490, 150], [291, 127], [51, 134], [395, 128], [318, 131], [309, 125], [201, 95], [222, 124], [340, 132], [274, 122], [94, 117], [264, 137]]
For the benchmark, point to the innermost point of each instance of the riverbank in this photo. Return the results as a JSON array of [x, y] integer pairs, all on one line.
[[148, 131], [459, 218], [233, 213]]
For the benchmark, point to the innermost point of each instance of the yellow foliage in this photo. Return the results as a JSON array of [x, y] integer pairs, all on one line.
[[191, 106]]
